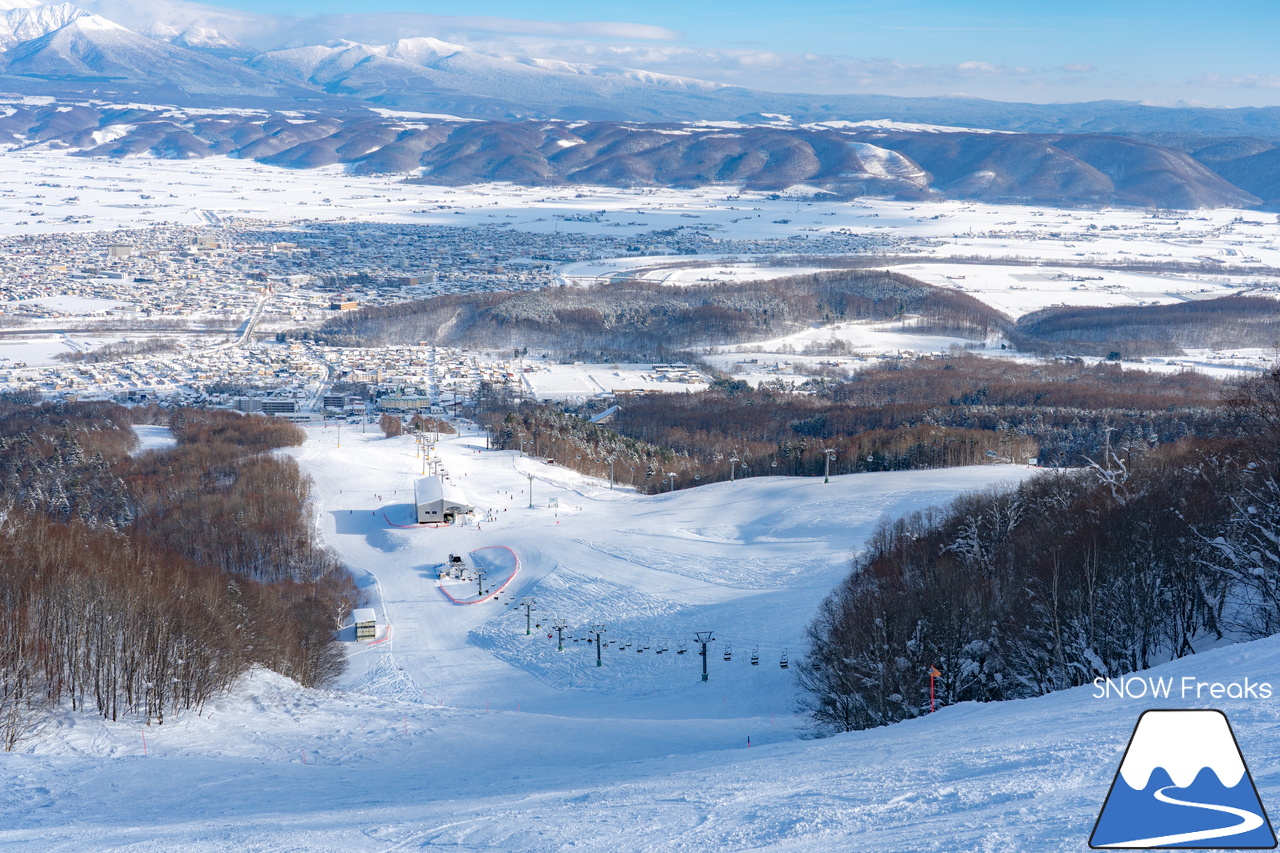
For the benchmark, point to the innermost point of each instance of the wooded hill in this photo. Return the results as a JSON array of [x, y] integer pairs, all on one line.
[[1143, 556], [1141, 330], [636, 319], [146, 584]]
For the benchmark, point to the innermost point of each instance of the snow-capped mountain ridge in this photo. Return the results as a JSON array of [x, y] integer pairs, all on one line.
[[195, 37], [429, 75], [24, 23]]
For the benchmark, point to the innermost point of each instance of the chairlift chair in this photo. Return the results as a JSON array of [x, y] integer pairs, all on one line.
[[783, 663], [755, 656], [684, 647], [728, 651]]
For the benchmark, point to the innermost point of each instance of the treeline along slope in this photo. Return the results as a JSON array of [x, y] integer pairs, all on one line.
[[146, 584], [1144, 555]]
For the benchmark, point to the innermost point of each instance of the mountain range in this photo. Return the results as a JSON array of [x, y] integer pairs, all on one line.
[[447, 113]]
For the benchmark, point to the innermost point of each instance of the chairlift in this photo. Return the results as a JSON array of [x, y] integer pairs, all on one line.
[[817, 665], [783, 663], [755, 656], [684, 647], [728, 651], [662, 647]]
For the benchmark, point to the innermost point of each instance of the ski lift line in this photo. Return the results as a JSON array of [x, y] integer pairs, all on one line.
[[668, 642]]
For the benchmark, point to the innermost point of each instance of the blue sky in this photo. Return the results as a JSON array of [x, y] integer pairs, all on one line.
[[1221, 54]]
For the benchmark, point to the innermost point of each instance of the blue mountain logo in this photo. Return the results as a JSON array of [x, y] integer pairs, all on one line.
[[1183, 784]]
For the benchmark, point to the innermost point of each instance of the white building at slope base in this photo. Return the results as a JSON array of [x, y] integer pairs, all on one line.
[[438, 501]]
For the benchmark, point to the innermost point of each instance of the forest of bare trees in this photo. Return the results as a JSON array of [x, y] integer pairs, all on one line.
[[145, 584], [634, 320], [1142, 330], [688, 461], [926, 413], [120, 350], [1143, 556], [638, 320]]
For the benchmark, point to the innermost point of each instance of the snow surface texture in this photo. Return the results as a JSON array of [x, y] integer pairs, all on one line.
[[458, 732]]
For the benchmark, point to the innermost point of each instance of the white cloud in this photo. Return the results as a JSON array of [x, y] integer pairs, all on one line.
[[1237, 81], [267, 31]]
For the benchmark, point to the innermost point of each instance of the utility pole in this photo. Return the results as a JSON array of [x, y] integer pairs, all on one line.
[[704, 637], [530, 491], [598, 630], [559, 626], [611, 473], [528, 605], [826, 477]]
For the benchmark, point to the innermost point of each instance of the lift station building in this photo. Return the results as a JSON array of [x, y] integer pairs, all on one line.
[[438, 501]]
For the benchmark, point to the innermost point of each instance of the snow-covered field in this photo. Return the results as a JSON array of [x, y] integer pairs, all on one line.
[[36, 348], [46, 191], [554, 381], [457, 731]]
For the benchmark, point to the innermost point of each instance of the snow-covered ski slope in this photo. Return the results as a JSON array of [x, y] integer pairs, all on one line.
[[458, 732]]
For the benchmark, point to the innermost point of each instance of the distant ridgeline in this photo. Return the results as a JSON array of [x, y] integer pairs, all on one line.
[[1186, 171]]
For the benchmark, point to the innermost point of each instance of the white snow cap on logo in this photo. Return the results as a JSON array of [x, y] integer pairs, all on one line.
[[1183, 743]]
